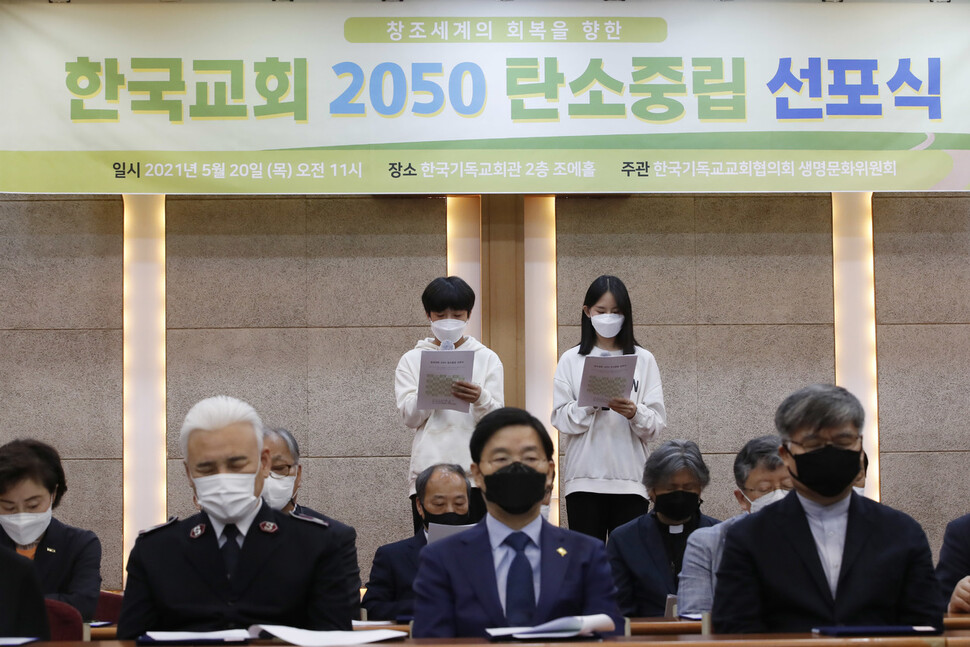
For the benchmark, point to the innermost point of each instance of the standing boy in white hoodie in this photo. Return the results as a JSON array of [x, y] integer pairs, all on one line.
[[442, 435]]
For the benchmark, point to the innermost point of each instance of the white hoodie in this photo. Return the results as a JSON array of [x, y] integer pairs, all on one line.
[[442, 435], [604, 451]]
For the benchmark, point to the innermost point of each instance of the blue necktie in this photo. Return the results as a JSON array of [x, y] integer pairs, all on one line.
[[520, 595], [231, 549]]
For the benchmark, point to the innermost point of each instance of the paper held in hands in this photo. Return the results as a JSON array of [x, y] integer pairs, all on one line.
[[567, 627], [438, 531], [605, 378], [292, 635], [439, 370]]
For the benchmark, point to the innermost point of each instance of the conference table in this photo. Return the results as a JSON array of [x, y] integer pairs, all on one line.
[[685, 633], [954, 638]]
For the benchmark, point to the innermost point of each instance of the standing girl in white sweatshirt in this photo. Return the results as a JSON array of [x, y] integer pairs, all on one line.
[[605, 449]]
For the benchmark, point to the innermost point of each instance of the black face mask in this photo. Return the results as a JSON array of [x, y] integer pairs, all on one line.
[[515, 488], [677, 505], [828, 471], [445, 518]]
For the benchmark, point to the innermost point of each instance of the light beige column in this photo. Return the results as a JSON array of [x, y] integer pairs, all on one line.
[[541, 350], [465, 250], [855, 315], [144, 366], [503, 289]]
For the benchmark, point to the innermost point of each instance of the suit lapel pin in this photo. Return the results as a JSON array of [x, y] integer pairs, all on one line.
[[196, 532], [51, 550], [561, 551], [268, 526]]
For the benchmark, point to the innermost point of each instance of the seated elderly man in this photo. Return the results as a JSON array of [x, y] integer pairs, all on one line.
[[646, 553], [237, 562], [953, 570], [762, 479], [824, 555], [443, 492], [285, 476]]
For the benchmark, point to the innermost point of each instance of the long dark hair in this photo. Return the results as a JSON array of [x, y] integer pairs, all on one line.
[[597, 289]]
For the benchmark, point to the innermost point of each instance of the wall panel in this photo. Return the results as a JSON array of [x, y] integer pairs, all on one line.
[[60, 349]]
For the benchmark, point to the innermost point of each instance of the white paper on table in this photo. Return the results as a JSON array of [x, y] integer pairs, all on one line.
[[16, 641], [227, 635], [565, 627], [308, 638], [439, 370], [605, 378], [372, 623], [438, 531]]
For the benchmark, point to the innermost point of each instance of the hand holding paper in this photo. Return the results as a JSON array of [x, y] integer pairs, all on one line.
[[605, 379], [440, 371]]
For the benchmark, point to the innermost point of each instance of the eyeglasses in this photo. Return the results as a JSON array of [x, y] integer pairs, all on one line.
[[281, 471], [842, 441], [761, 491]]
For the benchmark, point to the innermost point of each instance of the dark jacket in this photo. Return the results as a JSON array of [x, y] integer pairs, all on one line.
[[456, 595], [954, 562], [390, 591], [771, 578], [640, 566], [22, 611], [295, 571], [68, 565]]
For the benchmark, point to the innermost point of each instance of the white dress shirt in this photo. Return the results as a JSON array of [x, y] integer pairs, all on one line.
[[503, 554], [828, 524]]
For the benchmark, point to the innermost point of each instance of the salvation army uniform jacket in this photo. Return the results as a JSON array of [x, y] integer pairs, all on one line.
[[294, 570]]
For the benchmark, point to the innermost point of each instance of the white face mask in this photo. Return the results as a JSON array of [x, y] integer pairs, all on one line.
[[26, 527], [227, 498], [448, 330], [607, 326], [767, 499], [277, 492]]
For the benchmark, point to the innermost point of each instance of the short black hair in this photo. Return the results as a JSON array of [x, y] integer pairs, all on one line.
[[421, 483], [448, 292], [599, 287], [27, 458], [761, 452], [499, 419]]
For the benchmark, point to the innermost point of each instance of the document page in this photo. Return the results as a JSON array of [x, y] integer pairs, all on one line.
[[605, 378], [439, 370], [307, 638], [565, 627]]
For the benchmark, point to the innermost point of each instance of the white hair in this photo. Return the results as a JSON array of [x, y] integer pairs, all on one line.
[[218, 412]]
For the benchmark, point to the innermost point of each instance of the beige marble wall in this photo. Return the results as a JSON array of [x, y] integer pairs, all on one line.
[[60, 349], [731, 293], [922, 247], [303, 306]]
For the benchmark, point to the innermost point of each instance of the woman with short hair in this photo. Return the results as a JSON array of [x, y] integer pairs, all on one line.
[[67, 559], [646, 554]]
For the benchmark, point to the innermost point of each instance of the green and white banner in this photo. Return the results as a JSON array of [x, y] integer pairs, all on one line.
[[444, 97]]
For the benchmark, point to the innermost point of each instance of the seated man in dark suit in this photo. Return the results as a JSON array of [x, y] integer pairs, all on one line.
[[512, 568], [442, 497], [823, 555], [238, 562], [285, 475], [22, 610], [646, 554], [953, 570]]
